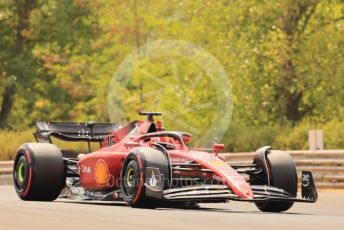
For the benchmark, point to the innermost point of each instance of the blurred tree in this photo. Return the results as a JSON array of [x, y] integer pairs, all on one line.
[[15, 52], [284, 59], [37, 36]]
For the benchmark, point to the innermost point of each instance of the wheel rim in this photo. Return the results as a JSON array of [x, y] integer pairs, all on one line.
[[130, 178], [21, 173]]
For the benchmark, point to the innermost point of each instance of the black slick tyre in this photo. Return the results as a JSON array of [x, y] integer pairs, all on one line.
[[136, 175], [282, 174], [38, 172]]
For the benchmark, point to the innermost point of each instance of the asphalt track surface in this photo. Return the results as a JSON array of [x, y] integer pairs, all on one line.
[[326, 214]]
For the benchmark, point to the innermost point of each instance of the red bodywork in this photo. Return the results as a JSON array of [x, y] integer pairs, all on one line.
[[100, 170]]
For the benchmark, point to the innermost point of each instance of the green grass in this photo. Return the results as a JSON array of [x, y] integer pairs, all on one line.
[[10, 141]]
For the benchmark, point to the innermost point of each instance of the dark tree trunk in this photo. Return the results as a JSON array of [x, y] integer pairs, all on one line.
[[7, 104], [292, 107], [295, 22], [23, 13]]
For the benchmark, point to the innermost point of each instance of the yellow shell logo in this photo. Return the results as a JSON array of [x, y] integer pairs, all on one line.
[[102, 174]]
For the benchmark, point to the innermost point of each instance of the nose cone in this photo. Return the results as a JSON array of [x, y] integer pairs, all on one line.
[[241, 188], [228, 175]]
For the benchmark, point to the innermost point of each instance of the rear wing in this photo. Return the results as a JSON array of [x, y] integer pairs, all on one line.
[[73, 131]]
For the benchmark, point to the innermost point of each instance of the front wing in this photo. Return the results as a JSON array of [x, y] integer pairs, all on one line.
[[209, 193]]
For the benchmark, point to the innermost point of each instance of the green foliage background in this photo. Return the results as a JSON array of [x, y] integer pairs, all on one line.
[[284, 59]]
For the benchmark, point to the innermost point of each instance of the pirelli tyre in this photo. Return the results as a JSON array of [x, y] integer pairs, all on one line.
[[145, 174], [39, 172], [279, 171]]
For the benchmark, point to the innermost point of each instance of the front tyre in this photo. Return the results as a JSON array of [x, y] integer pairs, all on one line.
[[132, 184], [143, 170], [38, 172], [280, 172]]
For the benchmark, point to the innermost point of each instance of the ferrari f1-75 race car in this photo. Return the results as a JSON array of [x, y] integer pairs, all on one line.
[[146, 166]]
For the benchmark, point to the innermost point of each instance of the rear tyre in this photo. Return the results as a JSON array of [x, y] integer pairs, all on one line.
[[282, 174], [38, 172]]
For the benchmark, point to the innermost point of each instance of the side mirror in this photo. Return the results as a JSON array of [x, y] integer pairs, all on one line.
[[218, 148], [185, 136]]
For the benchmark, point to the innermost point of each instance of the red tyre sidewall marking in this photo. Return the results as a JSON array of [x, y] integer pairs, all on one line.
[[141, 180], [27, 153]]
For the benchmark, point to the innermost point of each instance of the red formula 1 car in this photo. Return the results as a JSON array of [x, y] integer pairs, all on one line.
[[146, 166]]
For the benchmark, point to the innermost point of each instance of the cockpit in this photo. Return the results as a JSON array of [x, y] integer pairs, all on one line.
[[150, 132]]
